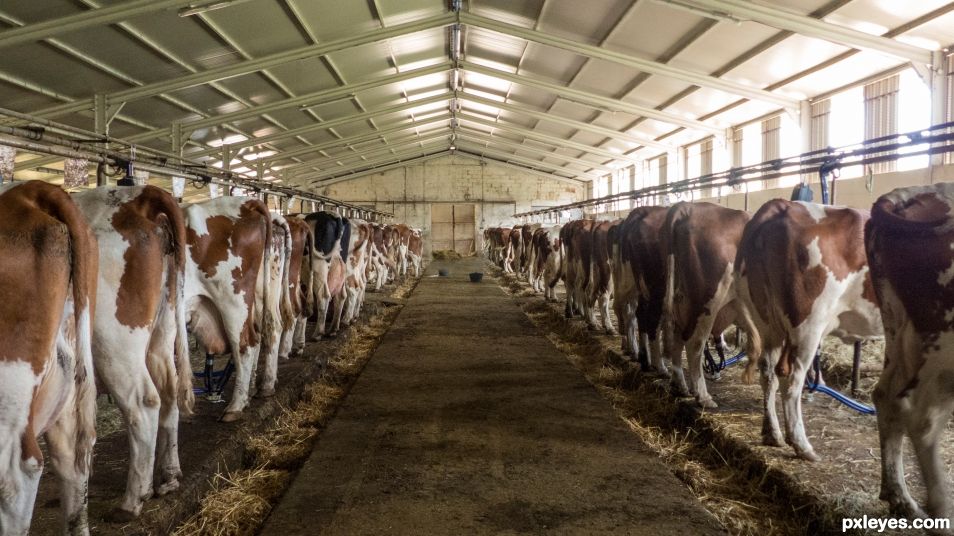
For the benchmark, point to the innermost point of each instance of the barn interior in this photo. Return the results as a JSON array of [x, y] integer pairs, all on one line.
[[450, 406]]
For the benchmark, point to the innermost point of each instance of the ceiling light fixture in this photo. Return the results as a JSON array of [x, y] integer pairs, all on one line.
[[199, 7]]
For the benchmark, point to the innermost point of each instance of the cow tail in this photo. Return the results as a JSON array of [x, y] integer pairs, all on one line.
[[174, 219], [754, 344], [286, 305], [268, 319], [84, 266], [309, 274]]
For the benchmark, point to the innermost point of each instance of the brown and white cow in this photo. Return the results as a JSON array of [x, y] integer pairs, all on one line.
[[231, 308], [140, 345], [380, 266], [526, 246], [48, 265], [801, 273], [641, 285], [300, 288], [699, 243], [910, 246], [514, 247], [356, 269], [415, 251], [547, 261], [586, 270]]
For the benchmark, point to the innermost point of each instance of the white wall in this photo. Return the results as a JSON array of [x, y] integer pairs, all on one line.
[[496, 191]]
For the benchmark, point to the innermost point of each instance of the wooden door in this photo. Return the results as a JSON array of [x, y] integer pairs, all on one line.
[[453, 227]]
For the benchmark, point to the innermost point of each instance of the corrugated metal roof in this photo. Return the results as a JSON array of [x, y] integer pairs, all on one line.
[[682, 60]]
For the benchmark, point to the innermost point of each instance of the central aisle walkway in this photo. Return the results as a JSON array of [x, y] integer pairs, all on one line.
[[468, 421]]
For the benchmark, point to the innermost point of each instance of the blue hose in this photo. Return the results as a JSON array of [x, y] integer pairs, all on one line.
[[864, 409]]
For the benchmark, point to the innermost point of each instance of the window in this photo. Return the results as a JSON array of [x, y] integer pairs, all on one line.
[[881, 114], [750, 148], [846, 123], [949, 115], [914, 114]]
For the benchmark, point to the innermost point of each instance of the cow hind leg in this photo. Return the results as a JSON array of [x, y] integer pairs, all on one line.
[[298, 336], [792, 387], [241, 392], [139, 402], [931, 410], [321, 317], [605, 314], [71, 450], [678, 378], [891, 428], [162, 369], [694, 355], [771, 431]]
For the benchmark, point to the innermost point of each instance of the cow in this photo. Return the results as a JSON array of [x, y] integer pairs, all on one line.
[[48, 272], [403, 237], [640, 280], [699, 243], [356, 269], [801, 273], [526, 246], [415, 251], [574, 236], [910, 245], [599, 288], [140, 344], [547, 259], [586, 270], [300, 288], [514, 247], [231, 308], [332, 235], [379, 265], [500, 246]]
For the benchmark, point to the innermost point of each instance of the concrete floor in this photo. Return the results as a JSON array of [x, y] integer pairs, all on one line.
[[467, 420]]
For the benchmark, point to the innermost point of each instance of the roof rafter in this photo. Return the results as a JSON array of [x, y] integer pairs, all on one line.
[[96, 17], [254, 65], [594, 100], [808, 26], [386, 167], [352, 140], [572, 123], [520, 160], [410, 151], [310, 99], [552, 140], [518, 167], [480, 137], [647, 66], [338, 162], [308, 129]]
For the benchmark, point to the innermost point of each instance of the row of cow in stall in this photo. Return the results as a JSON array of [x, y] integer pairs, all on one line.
[[98, 290], [678, 277]]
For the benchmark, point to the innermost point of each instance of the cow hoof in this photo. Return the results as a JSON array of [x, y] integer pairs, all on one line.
[[167, 487], [231, 416], [314, 338], [297, 352], [707, 403], [679, 390], [283, 357], [772, 440], [119, 515], [808, 455], [265, 393]]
